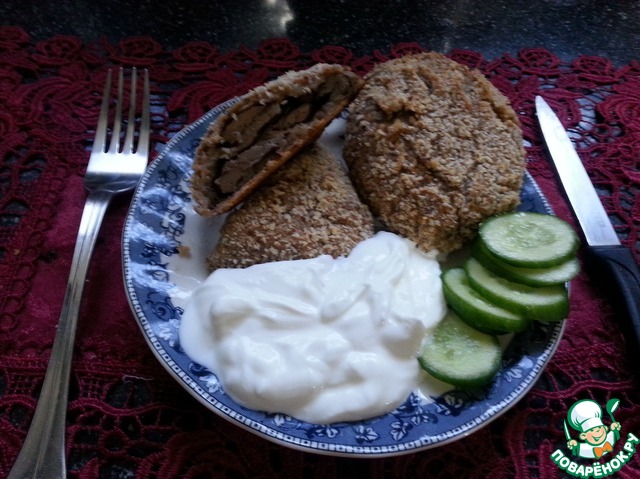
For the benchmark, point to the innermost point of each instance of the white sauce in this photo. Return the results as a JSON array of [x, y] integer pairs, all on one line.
[[323, 339]]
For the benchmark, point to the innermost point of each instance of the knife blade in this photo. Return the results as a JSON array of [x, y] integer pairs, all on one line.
[[604, 253]]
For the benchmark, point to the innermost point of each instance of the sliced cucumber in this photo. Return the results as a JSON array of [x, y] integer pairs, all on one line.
[[531, 240], [549, 303], [475, 310], [530, 276], [460, 355]]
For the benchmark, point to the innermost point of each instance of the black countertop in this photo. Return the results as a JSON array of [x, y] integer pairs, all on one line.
[[568, 28]]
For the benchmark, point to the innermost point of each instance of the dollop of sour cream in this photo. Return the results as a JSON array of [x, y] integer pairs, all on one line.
[[322, 340]]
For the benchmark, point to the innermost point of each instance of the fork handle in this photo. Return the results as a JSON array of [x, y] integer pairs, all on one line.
[[43, 453]]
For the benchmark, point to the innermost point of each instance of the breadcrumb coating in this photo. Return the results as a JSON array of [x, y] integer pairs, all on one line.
[[434, 148], [308, 208]]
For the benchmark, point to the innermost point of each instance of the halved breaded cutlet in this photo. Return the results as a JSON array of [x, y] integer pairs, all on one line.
[[266, 128], [306, 209]]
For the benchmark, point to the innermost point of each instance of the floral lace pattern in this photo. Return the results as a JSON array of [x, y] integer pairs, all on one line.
[[126, 416]]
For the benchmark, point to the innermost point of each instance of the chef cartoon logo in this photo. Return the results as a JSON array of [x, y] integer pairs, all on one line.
[[594, 441]]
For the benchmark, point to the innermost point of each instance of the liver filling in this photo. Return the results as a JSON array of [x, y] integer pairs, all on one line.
[[259, 133]]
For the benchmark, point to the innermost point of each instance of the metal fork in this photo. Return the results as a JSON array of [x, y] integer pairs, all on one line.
[[109, 172]]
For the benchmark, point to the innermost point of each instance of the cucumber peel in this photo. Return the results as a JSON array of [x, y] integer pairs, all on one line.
[[548, 276], [476, 310], [548, 303]]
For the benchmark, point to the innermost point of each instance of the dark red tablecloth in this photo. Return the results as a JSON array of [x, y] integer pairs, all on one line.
[[127, 417]]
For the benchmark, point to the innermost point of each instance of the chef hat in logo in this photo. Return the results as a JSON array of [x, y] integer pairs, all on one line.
[[585, 415]]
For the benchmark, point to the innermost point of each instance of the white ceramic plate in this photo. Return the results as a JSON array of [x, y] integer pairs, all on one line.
[[164, 247]]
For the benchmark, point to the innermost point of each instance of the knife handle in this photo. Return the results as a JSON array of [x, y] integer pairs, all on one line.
[[618, 263]]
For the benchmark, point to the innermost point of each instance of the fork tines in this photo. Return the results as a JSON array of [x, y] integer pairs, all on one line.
[[116, 144]]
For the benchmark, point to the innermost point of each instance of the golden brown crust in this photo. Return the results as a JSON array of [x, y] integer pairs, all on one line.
[[433, 148], [267, 127], [306, 209]]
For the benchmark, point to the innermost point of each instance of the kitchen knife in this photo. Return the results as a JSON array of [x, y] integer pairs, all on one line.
[[604, 252]]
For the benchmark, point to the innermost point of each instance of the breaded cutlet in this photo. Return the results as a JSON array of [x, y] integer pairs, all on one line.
[[308, 208], [433, 148], [263, 130]]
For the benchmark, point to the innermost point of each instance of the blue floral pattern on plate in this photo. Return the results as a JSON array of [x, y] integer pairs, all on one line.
[[153, 237]]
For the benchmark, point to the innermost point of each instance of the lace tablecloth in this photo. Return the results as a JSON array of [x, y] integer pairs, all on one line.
[[127, 417]]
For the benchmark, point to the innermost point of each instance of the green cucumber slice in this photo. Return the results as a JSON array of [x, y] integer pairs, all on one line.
[[475, 310], [460, 355], [549, 303], [532, 240], [549, 276]]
